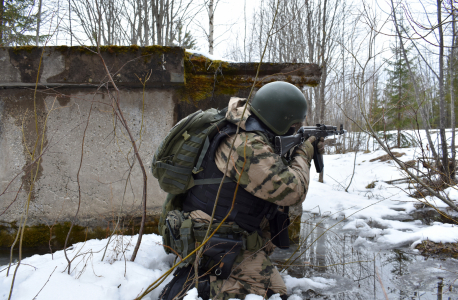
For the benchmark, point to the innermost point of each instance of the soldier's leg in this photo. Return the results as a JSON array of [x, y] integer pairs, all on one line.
[[253, 274], [182, 282]]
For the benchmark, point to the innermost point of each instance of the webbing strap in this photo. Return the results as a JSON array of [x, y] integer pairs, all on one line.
[[202, 155], [211, 181], [174, 182], [190, 148], [185, 158], [196, 139], [176, 169], [177, 175]]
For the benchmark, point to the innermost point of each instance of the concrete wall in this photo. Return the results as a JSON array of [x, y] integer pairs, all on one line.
[[54, 120]]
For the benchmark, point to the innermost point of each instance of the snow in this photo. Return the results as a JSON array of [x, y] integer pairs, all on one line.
[[385, 205], [209, 56], [378, 213], [114, 278], [314, 283], [192, 295]]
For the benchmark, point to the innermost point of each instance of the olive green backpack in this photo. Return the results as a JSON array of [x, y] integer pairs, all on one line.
[[181, 153]]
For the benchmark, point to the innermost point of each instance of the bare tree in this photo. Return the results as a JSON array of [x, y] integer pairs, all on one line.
[[130, 22]]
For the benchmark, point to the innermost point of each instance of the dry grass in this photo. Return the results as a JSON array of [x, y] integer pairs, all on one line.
[[386, 157]]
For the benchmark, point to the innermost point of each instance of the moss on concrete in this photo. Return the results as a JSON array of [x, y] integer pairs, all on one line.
[[27, 48], [205, 77], [38, 236]]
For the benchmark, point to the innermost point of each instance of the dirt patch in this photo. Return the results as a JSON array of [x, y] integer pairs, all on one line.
[[440, 250], [410, 163], [371, 185], [386, 157]]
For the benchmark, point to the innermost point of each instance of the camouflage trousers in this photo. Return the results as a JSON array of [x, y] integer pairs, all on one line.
[[253, 273]]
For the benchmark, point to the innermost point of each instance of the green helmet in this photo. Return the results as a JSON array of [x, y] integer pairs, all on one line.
[[279, 105]]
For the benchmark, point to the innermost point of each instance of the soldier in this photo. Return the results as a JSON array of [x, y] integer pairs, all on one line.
[[232, 269]]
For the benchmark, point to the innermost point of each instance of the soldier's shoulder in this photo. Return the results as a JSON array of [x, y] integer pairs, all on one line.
[[255, 140]]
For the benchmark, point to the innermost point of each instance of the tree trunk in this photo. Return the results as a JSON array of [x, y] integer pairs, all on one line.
[[446, 174], [452, 95], [159, 17], [325, 74], [145, 23], [1, 21], [70, 21], [37, 38], [210, 27], [138, 34]]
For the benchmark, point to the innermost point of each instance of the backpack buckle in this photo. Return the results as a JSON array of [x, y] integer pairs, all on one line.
[[186, 135], [195, 170]]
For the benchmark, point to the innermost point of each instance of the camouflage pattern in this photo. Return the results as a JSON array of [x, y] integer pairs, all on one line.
[[266, 175], [175, 219], [253, 274], [235, 111]]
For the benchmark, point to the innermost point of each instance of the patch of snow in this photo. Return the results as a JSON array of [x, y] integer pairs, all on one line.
[[252, 297], [304, 284], [192, 295], [209, 56], [382, 212], [114, 278]]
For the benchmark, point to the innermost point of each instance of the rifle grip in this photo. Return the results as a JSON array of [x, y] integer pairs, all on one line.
[[317, 158]]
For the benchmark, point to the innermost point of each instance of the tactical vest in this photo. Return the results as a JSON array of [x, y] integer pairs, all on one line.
[[249, 210]]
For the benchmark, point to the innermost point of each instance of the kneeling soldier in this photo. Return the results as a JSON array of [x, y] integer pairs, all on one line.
[[236, 260]]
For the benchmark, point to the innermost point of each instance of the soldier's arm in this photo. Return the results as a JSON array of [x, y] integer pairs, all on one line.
[[265, 174]]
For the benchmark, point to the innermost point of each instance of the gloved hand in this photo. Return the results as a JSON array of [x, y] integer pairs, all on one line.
[[307, 147], [320, 146]]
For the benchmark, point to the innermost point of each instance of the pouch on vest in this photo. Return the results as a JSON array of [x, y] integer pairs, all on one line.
[[222, 252], [279, 228], [178, 235], [171, 203]]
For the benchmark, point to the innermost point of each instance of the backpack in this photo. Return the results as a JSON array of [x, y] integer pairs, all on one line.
[[178, 157], [182, 151]]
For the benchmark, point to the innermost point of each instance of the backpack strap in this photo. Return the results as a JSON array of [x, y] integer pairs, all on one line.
[[201, 156], [210, 148], [252, 125]]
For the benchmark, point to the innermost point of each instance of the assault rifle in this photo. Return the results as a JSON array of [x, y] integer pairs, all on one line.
[[284, 143]]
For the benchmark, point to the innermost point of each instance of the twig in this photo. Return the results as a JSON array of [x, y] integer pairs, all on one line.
[[381, 283], [79, 191], [44, 284]]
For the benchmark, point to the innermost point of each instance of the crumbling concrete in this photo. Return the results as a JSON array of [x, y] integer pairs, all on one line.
[[70, 120]]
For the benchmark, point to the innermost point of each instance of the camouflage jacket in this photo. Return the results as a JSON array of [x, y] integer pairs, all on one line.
[[265, 174]]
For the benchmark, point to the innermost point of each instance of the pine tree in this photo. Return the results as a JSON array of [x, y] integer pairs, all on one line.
[[182, 38], [399, 92], [377, 108], [17, 22]]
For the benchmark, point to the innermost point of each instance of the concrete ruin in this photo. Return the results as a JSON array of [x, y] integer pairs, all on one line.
[[73, 102]]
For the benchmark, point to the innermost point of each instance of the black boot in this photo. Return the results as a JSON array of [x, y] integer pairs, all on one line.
[[182, 282]]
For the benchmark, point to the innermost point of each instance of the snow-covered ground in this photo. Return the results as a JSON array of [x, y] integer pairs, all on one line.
[[118, 278], [209, 56], [378, 205]]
